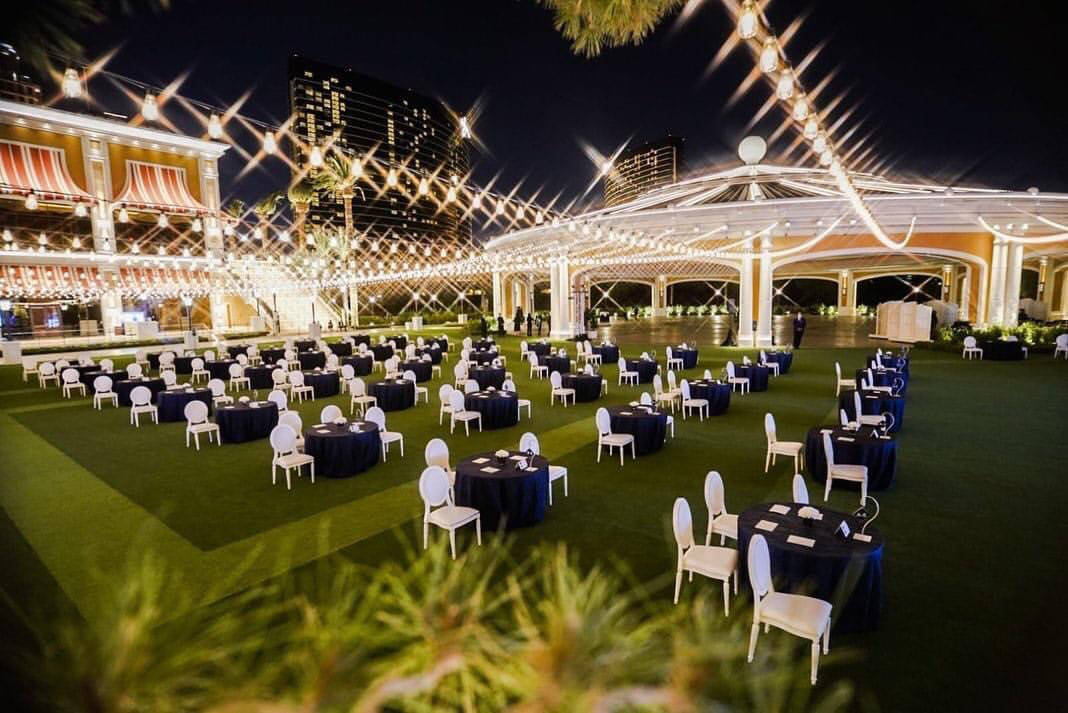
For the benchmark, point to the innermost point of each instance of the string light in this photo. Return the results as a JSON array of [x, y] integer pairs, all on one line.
[[198, 225], [162, 221], [424, 186], [391, 178], [785, 88], [149, 108], [315, 158], [270, 145], [215, 129], [80, 210], [465, 128], [801, 109], [31, 201], [769, 57], [748, 22], [72, 84]]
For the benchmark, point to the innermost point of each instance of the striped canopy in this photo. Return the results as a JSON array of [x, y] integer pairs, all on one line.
[[42, 170], [152, 186]]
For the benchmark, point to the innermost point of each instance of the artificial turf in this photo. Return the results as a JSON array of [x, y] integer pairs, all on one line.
[[974, 524]]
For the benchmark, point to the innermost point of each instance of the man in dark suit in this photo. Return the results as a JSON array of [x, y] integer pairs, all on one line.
[[799, 329]]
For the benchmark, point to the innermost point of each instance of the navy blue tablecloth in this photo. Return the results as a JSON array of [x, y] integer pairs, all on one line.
[[485, 357], [499, 409], [508, 498], [891, 362], [342, 349], [393, 394], [649, 427], [556, 363], [1001, 350], [873, 403], [325, 383], [542, 349], [784, 359], [440, 342], [486, 376], [434, 352], [171, 404], [359, 339], [422, 369], [271, 356], [845, 572], [688, 356], [879, 455], [305, 345], [587, 386], [482, 344], [182, 364], [757, 375], [235, 349], [400, 340], [609, 353], [310, 360], [361, 364], [259, 377], [381, 351], [885, 378], [220, 369], [646, 369], [87, 377], [341, 452], [718, 395], [124, 387], [240, 422]]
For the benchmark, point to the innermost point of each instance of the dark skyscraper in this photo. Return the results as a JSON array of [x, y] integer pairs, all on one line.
[[403, 132], [15, 83], [642, 168]]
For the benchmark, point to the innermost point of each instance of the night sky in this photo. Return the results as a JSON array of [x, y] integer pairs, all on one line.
[[963, 93]]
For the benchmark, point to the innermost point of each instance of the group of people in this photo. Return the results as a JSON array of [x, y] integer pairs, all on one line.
[[532, 323]]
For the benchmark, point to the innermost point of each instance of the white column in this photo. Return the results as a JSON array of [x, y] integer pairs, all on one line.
[[498, 295], [218, 312], [209, 191], [996, 300], [98, 180], [1064, 291], [560, 302], [354, 306], [110, 311], [1013, 274], [745, 302], [659, 296], [965, 294], [763, 335]]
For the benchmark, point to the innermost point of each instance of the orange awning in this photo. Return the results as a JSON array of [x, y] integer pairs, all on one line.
[[42, 170], [151, 186]]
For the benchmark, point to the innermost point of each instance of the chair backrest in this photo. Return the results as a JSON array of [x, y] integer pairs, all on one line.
[[140, 396], [523, 346], [684, 387], [437, 453], [682, 524], [296, 378], [419, 341], [409, 375], [769, 427], [843, 419], [508, 386], [588, 370], [197, 364], [443, 393], [533, 358], [141, 355], [856, 406], [708, 374], [622, 364], [759, 560], [46, 368], [290, 354], [409, 351], [471, 386], [332, 361], [800, 490], [969, 342], [251, 350], [456, 401], [169, 379], [196, 412], [460, 370], [763, 357], [166, 358], [329, 414], [556, 380], [529, 442], [715, 500], [62, 363], [645, 399], [293, 420], [667, 352], [218, 388], [362, 348], [281, 363], [658, 384], [134, 371], [467, 342], [745, 360], [465, 354], [838, 370], [1062, 340], [730, 370], [107, 365], [237, 371], [672, 383], [283, 438], [279, 398], [70, 376], [828, 451], [879, 359], [358, 387], [102, 384], [603, 421], [376, 416], [433, 486], [278, 376], [347, 372]]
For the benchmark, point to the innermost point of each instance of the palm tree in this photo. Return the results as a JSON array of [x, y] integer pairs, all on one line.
[[301, 194], [268, 206], [592, 25], [340, 176]]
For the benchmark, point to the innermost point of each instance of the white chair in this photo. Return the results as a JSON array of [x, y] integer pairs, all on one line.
[[102, 392], [141, 359], [537, 371], [851, 473], [293, 420], [196, 422], [460, 413], [292, 361], [330, 413], [238, 380], [134, 371], [509, 386], [170, 380], [409, 375], [791, 449], [279, 380], [439, 509], [868, 382], [471, 386], [772, 365], [591, 356], [437, 453], [662, 396], [741, 382], [298, 388], [864, 419], [332, 362], [107, 365], [435, 369], [460, 373], [347, 373], [807, 617], [528, 442], [218, 392], [378, 417], [688, 402], [971, 349], [199, 371], [391, 367], [673, 362], [839, 382], [630, 377], [166, 362], [605, 437], [284, 443], [72, 382], [29, 368], [46, 371], [141, 402], [61, 364], [1061, 344], [800, 490], [443, 398], [720, 521], [253, 355], [713, 562], [279, 399], [646, 400], [360, 399], [673, 386], [556, 382]]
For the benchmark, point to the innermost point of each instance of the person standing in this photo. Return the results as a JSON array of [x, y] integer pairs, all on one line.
[[530, 324], [539, 325], [799, 329], [500, 326], [517, 321], [483, 326]]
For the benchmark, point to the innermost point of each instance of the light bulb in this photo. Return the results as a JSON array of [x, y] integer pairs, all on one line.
[[391, 178], [826, 157], [500, 206], [539, 218], [476, 201], [228, 230], [124, 215], [424, 186], [315, 158], [465, 128], [284, 236], [42, 239], [357, 168], [31, 201], [72, 84], [162, 221], [257, 233], [801, 109], [76, 243], [215, 126], [769, 57], [785, 88], [8, 237], [80, 210], [748, 22], [819, 144], [198, 225], [812, 129], [149, 108], [606, 168], [270, 145]]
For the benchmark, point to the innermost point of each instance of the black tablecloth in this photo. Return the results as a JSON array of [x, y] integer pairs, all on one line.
[[271, 356], [220, 369], [486, 376], [393, 394], [784, 359], [587, 386], [556, 363], [422, 369], [400, 340], [485, 357], [688, 356], [884, 378], [82, 370], [757, 375], [359, 339], [434, 352], [241, 422], [718, 395], [441, 342], [361, 364], [310, 360], [646, 369], [482, 344], [542, 349], [649, 428], [381, 351], [878, 454], [259, 377], [124, 387], [873, 403], [87, 377], [1001, 350], [609, 353], [236, 349], [507, 497], [171, 404], [325, 383], [305, 345], [845, 572], [340, 348], [340, 452], [499, 409], [182, 364]]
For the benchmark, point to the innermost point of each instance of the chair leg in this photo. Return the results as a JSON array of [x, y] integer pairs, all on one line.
[[727, 597], [753, 633], [478, 530], [565, 485], [633, 453], [289, 481], [815, 660], [678, 584], [452, 542], [767, 460], [426, 533], [827, 487]]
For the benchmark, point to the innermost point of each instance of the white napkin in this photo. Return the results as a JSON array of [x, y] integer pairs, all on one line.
[[625, 413], [780, 509], [798, 540], [766, 526], [845, 438], [519, 457], [531, 470], [321, 430], [861, 537], [480, 460], [489, 469]]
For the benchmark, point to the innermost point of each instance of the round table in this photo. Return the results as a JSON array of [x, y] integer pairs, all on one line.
[[362, 365], [848, 573], [422, 369], [587, 386], [88, 377], [381, 351], [359, 339], [393, 394], [305, 345], [648, 426], [688, 356], [81, 369], [609, 353], [1002, 350], [483, 357], [236, 349], [561, 364], [220, 369], [441, 343], [784, 359], [434, 351], [271, 356], [499, 409], [483, 344], [250, 421], [501, 494], [325, 383], [400, 340], [344, 450], [171, 402], [311, 360], [891, 362], [873, 403], [259, 377], [182, 364], [858, 448], [884, 378], [124, 387], [340, 348], [717, 394], [646, 369], [486, 376], [542, 349], [757, 375]]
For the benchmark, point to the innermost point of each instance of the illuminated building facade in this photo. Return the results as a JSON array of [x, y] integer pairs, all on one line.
[[642, 168]]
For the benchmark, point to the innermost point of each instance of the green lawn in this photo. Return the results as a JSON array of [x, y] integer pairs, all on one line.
[[975, 523]]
